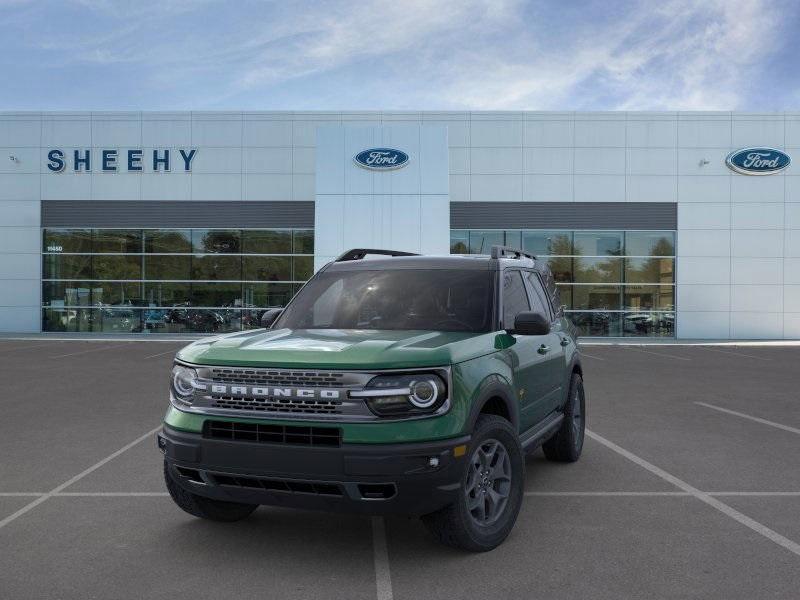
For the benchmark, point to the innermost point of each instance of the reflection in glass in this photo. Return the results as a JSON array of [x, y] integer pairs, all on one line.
[[304, 241], [648, 324], [565, 294], [91, 293], [226, 241], [561, 267], [459, 241], [598, 243], [115, 266], [67, 240], [597, 324], [216, 294], [267, 241], [67, 266], [267, 268], [168, 240], [217, 267], [596, 297], [513, 239], [598, 270], [117, 240], [268, 295], [650, 243], [649, 297], [167, 267], [547, 243], [167, 294], [650, 270], [481, 242], [303, 268]]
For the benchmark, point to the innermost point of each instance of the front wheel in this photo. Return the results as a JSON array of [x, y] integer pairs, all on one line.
[[205, 508], [566, 445], [490, 494]]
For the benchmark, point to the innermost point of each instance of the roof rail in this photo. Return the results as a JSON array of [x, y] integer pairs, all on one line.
[[503, 251], [359, 253]]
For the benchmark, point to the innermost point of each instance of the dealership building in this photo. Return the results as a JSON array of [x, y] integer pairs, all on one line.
[[656, 225]]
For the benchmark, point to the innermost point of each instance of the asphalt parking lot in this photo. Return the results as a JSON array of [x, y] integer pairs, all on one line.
[[689, 487]]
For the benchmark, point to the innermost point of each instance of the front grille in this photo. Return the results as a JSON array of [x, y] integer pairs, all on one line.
[[273, 434], [277, 377], [281, 405], [279, 485]]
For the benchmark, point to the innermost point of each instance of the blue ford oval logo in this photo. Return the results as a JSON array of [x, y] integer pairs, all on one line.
[[758, 161], [381, 159]]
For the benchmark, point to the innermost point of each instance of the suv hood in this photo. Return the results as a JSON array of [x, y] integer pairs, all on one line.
[[339, 348]]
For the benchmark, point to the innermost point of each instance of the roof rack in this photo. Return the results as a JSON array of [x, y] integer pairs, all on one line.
[[359, 253], [503, 251]]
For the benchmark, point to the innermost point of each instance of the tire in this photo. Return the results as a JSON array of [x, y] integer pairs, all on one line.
[[459, 525], [205, 508], [567, 444]]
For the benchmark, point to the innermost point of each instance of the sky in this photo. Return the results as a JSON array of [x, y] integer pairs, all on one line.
[[400, 55]]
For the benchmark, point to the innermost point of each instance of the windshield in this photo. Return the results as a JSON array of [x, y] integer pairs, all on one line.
[[439, 300]]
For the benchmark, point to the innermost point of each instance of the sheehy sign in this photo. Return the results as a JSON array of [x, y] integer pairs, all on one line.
[[134, 160]]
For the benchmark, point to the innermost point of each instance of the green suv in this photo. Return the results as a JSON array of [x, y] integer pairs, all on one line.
[[399, 384]]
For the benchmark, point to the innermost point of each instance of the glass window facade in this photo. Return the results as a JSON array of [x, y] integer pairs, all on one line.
[[169, 280], [612, 283]]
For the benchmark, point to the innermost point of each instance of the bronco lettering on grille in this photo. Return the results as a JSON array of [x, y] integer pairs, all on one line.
[[274, 392]]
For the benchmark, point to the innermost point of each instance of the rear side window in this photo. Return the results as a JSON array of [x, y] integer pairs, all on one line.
[[515, 298], [539, 301]]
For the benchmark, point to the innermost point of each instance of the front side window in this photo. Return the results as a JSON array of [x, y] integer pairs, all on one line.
[[515, 298], [399, 299]]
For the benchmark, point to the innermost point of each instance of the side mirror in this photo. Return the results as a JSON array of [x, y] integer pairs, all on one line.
[[269, 316], [531, 323]]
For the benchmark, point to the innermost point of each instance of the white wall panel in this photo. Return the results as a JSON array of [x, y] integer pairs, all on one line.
[[218, 186], [548, 161], [116, 134], [496, 188], [303, 187], [267, 133], [760, 271], [166, 133], [597, 134], [702, 297], [19, 292], [767, 298], [652, 161], [704, 216], [703, 270], [495, 133], [702, 161], [599, 188], [704, 242], [459, 161], [267, 187], [704, 188], [67, 132], [20, 319], [547, 188], [19, 213], [758, 325], [599, 161], [66, 186], [545, 133], [115, 186], [651, 188], [268, 160], [166, 186], [662, 133], [704, 134], [703, 325], [19, 186], [496, 161], [19, 133], [757, 215], [756, 243], [217, 133], [760, 132], [758, 189]]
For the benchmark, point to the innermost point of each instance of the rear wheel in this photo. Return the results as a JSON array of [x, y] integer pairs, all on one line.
[[490, 495], [566, 445], [205, 508]]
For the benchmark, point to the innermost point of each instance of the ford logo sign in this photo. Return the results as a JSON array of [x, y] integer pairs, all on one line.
[[381, 159], [758, 161]]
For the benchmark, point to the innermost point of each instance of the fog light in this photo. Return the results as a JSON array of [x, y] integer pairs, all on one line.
[[433, 461]]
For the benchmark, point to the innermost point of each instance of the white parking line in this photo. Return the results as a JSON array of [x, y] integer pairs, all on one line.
[[657, 353], [110, 494], [741, 354], [734, 514], [383, 577], [27, 347], [161, 354], [87, 351], [31, 505], [656, 494], [751, 418], [591, 356]]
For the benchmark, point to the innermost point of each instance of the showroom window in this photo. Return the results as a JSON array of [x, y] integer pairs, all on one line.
[[169, 280], [612, 283]]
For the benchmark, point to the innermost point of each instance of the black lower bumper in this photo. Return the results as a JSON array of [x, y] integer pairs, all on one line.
[[411, 479]]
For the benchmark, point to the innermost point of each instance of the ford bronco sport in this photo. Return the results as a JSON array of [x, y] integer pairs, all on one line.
[[402, 384]]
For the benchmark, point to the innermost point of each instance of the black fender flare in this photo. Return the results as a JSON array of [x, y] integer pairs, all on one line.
[[494, 386]]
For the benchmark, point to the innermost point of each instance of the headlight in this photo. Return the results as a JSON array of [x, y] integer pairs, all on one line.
[[404, 395], [183, 379]]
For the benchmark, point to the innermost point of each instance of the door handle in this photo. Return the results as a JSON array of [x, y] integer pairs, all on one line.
[[565, 341], [543, 349]]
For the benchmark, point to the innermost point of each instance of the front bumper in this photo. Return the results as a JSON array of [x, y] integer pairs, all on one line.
[[408, 478]]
